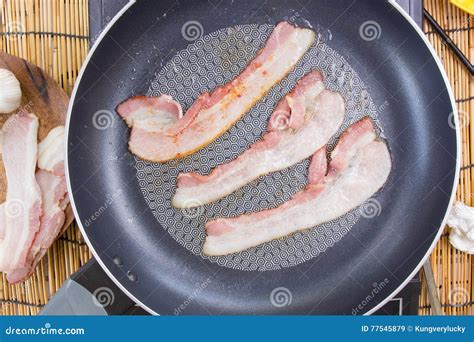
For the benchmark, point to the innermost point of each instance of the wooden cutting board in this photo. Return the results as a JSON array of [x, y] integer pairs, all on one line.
[[42, 96]]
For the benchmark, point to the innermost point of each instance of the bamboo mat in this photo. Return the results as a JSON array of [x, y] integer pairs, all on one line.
[[453, 270], [54, 35]]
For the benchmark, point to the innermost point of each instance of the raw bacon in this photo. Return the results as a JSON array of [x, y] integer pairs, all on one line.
[[302, 123], [23, 201], [53, 192], [54, 199], [51, 152], [33, 214], [359, 167], [159, 130]]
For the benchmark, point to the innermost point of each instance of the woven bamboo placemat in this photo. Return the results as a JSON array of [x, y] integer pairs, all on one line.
[[54, 35], [453, 270]]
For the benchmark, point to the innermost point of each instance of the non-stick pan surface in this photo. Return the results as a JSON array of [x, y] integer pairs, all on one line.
[[355, 275]]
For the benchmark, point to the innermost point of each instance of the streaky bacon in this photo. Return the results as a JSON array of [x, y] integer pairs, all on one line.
[[53, 191], [52, 185], [359, 167], [302, 123], [159, 131], [51, 152], [23, 201]]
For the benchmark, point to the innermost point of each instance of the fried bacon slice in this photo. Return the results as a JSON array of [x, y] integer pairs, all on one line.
[[359, 167], [159, 130]]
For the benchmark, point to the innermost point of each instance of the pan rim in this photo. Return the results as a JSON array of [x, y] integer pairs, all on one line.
[[66, 164], [458, 158], [376, 307]]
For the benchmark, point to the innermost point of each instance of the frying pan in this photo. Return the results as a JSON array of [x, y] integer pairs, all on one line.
[[357, 273]]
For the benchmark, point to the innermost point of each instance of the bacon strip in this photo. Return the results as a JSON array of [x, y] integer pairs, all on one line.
[[52, 185], [301, 124], [360, 166], [159, 130], [51, 152], [53, 191], [23, 200]]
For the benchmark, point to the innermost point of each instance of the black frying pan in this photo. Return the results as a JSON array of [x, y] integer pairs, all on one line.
[[359, 272]]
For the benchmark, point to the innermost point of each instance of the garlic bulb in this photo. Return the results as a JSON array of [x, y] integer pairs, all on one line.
[[461, 221], [10, 92]]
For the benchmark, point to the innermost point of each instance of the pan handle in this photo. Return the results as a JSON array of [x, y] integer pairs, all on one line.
[[89, 291]]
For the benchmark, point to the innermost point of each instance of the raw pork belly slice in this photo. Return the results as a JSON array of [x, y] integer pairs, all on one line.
[[52, 184], [53, 191], [360, 166], [160, 132], [51, 152], [301, 124], [23, 200]]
